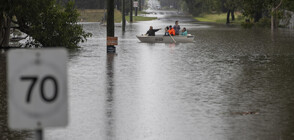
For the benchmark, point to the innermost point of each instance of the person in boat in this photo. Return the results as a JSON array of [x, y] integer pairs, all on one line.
[[177, 28], [166, 33], [184, 32], [171, 31], [151, 31]]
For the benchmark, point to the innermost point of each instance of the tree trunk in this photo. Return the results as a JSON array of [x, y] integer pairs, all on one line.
[[7, 32], [140, 5], [228, 16], [118, 4], [5, 24], [257, 16], [272, 19], [1, 29], [233, 15]]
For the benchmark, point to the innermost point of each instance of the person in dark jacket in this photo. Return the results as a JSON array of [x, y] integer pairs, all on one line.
[[177, 27], [151, 31], [166, 31]]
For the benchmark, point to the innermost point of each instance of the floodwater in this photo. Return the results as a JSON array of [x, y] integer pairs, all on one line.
[[232, 83]]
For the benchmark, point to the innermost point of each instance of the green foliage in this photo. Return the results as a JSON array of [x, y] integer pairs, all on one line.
[[288, 5], [197, 7], [247, 25], [47, 22], [264, 22], [219, 18], [260, 9], [167, 3]]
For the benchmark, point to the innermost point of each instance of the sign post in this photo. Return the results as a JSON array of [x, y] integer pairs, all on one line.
[[112, 41], [37, 87], [110, 24]]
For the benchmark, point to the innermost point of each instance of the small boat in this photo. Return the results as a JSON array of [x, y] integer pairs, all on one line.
[[166, 39]]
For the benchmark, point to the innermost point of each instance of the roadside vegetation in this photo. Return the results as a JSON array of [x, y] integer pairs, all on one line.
[[96, 15], [254, 12], [220, 18], [45, 22], [140, 18]]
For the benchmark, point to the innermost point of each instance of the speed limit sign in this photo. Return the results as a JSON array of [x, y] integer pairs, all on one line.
[[37, 88]]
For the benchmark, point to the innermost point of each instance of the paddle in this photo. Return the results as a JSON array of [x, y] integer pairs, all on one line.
[[173, 38]]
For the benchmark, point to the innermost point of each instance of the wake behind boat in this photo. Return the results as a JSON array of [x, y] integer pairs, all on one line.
[[166, 39]]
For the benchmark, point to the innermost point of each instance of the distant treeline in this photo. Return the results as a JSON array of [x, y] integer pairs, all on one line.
[[99, 4], [87, 4], [253, 9]]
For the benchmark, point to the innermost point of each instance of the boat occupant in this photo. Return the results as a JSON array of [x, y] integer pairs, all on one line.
[[184, 32], [151, 31], [166, 33], [177, 27], [171, 31]]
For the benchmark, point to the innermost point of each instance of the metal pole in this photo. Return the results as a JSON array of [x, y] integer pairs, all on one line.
[[123, 16], [136, 13], [110, 24], [131, 11], [39, 134]]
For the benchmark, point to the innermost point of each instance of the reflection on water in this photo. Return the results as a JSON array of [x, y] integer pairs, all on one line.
[[188, 91], [110, 122]]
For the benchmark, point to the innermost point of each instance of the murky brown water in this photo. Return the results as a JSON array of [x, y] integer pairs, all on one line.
[[231, 83]]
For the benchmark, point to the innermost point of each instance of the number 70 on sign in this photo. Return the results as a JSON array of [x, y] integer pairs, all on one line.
[[37, 87]]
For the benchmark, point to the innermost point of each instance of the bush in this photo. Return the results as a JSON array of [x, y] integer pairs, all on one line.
[[247, 25], [264, 22]]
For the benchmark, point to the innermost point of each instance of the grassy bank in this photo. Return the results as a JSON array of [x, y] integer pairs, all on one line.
[[219, 18], [140, 18], [96, 15]]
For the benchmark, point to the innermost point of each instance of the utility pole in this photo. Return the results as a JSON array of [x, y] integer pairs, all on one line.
[[131, 11], [140, 5], [123, 16], [110, 25], [136, 9], [136, 12]]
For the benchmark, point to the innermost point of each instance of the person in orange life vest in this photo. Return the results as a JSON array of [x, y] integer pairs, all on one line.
[[171, 31]]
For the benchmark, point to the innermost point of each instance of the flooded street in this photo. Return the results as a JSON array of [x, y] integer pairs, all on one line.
[[232, 83]]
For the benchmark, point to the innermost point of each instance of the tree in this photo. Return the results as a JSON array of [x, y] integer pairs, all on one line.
[[46, 21], [197, 7], [274, 9], [254, 8], [5, 22], [231, 6], [269, 9]]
